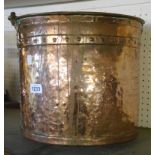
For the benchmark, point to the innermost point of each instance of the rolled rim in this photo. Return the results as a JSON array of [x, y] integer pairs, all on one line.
[[83, 13]]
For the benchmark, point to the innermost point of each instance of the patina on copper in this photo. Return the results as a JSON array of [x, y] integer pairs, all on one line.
[[87, 65]]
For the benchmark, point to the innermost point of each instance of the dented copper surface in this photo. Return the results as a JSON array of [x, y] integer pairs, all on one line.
[[87, 68]]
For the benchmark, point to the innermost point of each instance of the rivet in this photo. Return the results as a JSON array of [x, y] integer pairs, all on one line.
[[54, 39], [78, 38], [103, 39], [35, 40], [44, 39], [67, 39]]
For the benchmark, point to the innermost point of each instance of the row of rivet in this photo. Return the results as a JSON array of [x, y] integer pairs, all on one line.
[[66, 39]]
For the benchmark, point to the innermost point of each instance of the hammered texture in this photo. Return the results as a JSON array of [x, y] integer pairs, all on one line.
[[88, 67]]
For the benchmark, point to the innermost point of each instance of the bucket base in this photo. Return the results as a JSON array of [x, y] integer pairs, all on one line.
[[80, 141]]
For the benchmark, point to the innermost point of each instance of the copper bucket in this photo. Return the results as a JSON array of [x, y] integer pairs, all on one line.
[[79, 76]]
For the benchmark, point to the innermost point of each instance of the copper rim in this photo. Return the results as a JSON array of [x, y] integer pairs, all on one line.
[[84, 13]]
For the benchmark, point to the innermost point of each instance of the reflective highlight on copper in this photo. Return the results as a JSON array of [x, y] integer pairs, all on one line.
[[88, 69]]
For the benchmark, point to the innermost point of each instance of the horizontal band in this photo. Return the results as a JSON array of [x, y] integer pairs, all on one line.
[[83, 39]]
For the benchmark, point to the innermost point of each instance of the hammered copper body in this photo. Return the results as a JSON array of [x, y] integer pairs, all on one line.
[[87, 65]]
